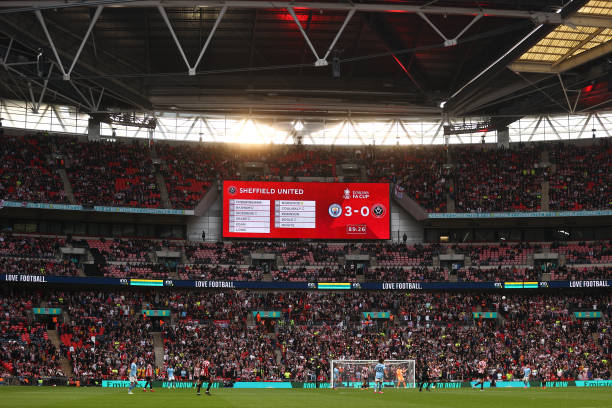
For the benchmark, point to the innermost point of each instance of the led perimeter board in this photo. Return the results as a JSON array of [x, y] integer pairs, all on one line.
[[261, 209]]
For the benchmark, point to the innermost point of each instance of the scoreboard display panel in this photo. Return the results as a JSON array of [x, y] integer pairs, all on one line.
[[261, 209]]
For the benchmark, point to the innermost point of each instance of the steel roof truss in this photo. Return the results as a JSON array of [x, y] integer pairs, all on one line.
[[92, 23], [191, 69], [449, 42], [321, 62]]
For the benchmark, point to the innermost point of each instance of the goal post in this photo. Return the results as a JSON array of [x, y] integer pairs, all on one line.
[[351, 373]]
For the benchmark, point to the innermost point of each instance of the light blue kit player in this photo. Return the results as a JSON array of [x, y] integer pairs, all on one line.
[[133, 376], [336, 376], [526, 375], [170, 372], [380, 375]]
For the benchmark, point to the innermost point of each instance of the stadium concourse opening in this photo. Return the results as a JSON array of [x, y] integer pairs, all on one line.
[[230, 203]]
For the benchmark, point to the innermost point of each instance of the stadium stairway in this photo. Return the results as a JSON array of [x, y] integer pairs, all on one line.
[[65, 364], [67, 186], [596, 340], [163, 190], [545, 158], [250, 322], [66, 316], [501, 320], [450, 201], [279, 356], [158, 348], [410, 206], [545, 203], [209, 198]]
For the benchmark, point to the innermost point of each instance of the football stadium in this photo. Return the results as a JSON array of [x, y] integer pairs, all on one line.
[[334, 203]]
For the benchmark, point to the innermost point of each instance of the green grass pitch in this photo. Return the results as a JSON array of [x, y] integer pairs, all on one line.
[[61, 397]]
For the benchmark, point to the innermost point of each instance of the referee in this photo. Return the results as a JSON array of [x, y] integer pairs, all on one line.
[[424, 376]]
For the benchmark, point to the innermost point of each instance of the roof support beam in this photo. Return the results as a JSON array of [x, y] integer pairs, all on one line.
[[589, 20], [209, 38], [321, 62], [569, 105], [22, 75], [534, 67], [488, 97], [12, 27], [191, 69], [335, 40], [42, 93], [92, 23], [553, 100], [34, 107], [99, 101], [57, 58], [449, 42], [8, 50], [605, 128], [87, 101], [498, 60], [312, 48], [12, 6]]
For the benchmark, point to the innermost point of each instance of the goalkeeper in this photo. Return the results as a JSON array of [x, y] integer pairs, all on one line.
[[399, 374]]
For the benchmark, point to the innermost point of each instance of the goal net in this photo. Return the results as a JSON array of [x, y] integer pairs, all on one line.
[[354, 373]]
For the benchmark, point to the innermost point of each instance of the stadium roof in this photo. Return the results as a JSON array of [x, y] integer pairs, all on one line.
[[571, 44], [376, 58]]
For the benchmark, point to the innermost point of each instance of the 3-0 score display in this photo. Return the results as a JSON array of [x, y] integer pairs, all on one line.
[[260, 209]]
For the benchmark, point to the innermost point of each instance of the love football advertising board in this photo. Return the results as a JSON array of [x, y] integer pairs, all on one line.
[[306, 210]]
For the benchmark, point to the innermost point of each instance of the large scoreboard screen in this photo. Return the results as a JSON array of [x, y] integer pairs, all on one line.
[[260, 209]]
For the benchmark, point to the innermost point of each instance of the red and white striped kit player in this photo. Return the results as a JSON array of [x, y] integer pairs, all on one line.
[[204, 370], [482, 366], [149, 376], [204, 375]]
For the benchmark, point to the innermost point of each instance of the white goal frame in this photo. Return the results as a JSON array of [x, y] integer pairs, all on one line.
[[410, 380]]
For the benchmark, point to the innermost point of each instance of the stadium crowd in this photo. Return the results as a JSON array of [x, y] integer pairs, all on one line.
[[420, 174], [104, 333], [477, 179], [116, 174], [189, 171], [25, 349], [583, 177], [50, 267], [27, 171], [105, 330], [305, 262], [129, 250], [29, 246], [498, 179]]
